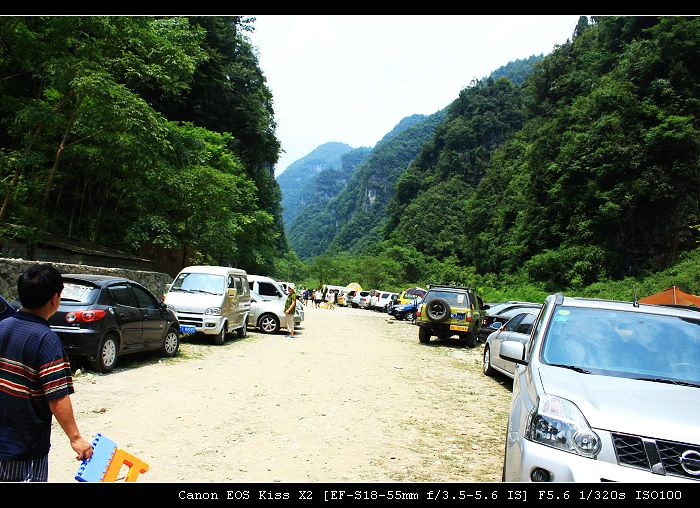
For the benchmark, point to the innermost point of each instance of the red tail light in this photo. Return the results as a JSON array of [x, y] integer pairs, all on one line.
[[85, 316]]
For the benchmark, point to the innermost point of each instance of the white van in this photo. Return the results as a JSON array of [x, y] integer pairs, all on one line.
[[214, 300], [267, 287]]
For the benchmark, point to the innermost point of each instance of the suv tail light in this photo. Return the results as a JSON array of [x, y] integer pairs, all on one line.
[[85, 316]]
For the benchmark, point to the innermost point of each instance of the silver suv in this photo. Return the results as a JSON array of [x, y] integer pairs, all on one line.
[[605, 391]]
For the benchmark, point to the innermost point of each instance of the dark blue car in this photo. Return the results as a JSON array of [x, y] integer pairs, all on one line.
[[405, 311], [6, 310]]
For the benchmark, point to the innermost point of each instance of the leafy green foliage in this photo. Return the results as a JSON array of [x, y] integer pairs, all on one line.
[[592, 173], [90, 149]]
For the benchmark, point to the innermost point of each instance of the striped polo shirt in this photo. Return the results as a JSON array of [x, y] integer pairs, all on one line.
[[34, 369]]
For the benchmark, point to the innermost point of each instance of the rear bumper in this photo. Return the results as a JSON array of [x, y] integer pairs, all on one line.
[[78, 341], [446, 327]]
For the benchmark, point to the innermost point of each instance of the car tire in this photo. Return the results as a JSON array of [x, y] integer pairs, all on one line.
[[171, 342], [107, 354], [220, 337], [269, 323], [472, 339], [242, 332], [438, 310], [424, 335], [488, 370]]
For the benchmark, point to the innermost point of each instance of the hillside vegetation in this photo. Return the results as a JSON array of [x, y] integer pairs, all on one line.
[[585, 178], [145, 134]]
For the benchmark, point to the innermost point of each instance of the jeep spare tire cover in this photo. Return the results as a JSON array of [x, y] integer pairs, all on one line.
[[438, 310]]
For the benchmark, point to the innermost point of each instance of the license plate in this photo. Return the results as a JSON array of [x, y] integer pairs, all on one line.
[[187, 329], [457, 315], [459, 328]]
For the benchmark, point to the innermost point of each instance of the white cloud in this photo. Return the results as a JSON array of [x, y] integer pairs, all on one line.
[[352, 78]]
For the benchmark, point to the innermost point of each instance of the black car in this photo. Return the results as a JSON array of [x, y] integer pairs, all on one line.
[[498, 314], [102, 317]]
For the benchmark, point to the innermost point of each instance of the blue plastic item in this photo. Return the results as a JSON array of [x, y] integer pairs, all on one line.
[[94, 469]]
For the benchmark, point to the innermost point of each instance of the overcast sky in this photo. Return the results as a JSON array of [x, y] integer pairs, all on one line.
[[353, 78]]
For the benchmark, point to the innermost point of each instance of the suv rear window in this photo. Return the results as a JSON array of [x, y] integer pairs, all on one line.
[[455, 299]]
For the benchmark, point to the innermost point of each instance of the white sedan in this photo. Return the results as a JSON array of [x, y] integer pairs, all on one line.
[[268, 314], [516, 328]]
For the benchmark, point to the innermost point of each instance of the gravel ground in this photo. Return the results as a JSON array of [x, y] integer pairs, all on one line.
[[354, 398]]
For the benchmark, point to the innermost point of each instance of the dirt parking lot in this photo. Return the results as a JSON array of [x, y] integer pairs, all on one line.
[[354, 398]]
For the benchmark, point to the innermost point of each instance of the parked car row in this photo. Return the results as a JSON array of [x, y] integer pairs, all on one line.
[[101, 318]]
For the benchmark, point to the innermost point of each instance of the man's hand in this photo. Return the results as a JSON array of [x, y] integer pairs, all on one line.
[[82, 448]]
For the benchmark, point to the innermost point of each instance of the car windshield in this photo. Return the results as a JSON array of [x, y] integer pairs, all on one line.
[[199, 283], [625, 344], [454, 298], [74, 292]]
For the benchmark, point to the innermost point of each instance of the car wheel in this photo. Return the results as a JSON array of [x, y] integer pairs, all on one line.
[[171, 342], [268, 323], [243, 332], [107, 354], [424, 335], [488, 370], [472, 340], [438, 310], [220, 337]]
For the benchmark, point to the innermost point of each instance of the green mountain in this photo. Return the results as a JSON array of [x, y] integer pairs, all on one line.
[[357, 212], [589, 171], [297, 181], [517, 70]]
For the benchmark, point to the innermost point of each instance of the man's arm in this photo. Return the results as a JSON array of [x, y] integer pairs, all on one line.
[[62, 409]]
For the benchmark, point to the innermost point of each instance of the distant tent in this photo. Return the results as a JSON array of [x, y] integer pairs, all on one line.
[[353, 286], [672, 295]]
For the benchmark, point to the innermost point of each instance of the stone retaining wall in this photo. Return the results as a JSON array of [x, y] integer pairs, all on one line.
[[11, 269]]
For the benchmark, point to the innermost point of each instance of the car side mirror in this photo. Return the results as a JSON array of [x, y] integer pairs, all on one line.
[[486, 307], [496, 325], [167, 287], [232, 292], [513, 351]]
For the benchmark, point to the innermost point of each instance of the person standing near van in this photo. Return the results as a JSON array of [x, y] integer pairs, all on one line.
[[290, 306], [35, 381]]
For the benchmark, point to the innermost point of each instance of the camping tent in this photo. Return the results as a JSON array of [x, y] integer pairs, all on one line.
[[353, 286], [672, 295]]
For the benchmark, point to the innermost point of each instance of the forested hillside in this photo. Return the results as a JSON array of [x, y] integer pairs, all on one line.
[[297, 182], [139, 133], [600, 181], [586, 174], [354, 212]]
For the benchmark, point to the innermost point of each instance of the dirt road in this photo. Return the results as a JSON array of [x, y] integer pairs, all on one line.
[[354, 398]]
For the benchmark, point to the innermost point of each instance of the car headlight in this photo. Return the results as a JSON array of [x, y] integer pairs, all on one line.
[[213, 311], [558, 423]]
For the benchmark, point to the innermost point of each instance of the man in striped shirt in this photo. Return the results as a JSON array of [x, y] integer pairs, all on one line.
[[35, 381]]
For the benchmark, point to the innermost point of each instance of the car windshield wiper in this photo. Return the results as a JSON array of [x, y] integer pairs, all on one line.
[[572, 367], [668, 381], [69, 300], [204, 291], [181, 289]]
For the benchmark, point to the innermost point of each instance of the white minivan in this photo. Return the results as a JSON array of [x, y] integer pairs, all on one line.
[[214, 300], [267, 287]]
